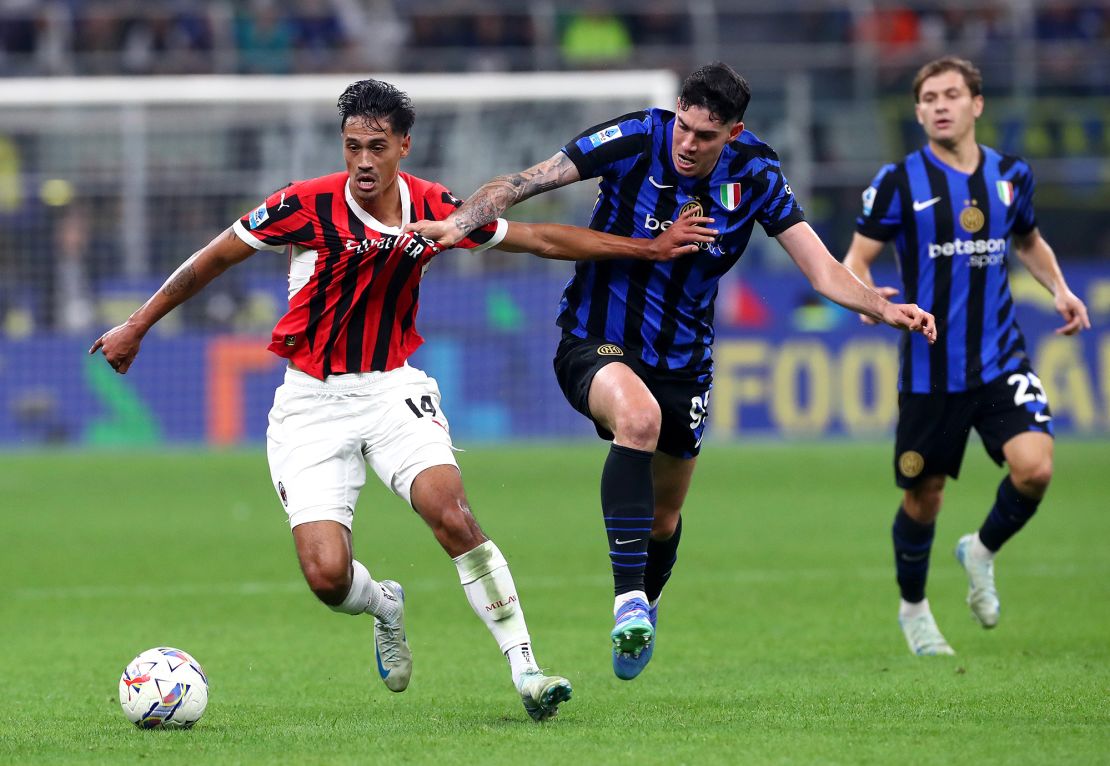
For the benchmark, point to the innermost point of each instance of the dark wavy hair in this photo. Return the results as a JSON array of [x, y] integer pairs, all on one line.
[[718, 88], [375, 100]]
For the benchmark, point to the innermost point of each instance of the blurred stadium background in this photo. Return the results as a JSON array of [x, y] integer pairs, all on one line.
[[107, 184]]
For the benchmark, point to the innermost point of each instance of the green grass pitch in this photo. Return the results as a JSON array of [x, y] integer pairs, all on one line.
[[778, 640]]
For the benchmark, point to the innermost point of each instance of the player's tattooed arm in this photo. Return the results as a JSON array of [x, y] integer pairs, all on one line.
[[496, 196], [121, 344]]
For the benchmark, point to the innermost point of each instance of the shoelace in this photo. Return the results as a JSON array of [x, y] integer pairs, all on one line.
[[632, 611], [391, 651]]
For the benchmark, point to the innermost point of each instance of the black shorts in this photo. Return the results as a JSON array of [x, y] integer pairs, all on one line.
[[933, 428], [683, 396]]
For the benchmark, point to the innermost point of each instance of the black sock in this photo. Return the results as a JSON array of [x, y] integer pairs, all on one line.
[[662, 554], [628, 503], [912, 543], [1010, 512]]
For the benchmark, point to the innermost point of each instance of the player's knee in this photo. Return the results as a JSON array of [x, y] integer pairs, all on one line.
[[330, 583], [456, 529], [639, 427], [1032, 479], [923, 502]]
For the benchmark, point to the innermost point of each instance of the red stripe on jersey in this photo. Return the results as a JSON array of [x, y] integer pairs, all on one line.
[[356, 311]]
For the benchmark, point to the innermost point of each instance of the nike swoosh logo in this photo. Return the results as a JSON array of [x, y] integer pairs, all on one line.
[[618, 541], [658, 185], [919, 206], [1040, 417], [381, 668]]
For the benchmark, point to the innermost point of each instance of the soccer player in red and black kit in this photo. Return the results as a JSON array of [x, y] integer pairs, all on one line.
[[350, 398]]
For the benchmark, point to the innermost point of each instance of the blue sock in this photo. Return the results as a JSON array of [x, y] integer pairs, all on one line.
[[913, 542], [1010, 512], [628, 503], [662, 554]]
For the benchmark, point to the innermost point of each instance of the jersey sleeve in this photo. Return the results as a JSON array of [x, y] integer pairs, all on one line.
[[440, 203], [1025, 219], [881, 216], [279, 221], [605, 146], [780, 209]]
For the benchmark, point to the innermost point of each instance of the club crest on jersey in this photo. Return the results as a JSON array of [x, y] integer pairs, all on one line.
[[608, 134], [259, 216], [729, 194], [609, 349], [693, 206], [971, 218], [1005, 192]]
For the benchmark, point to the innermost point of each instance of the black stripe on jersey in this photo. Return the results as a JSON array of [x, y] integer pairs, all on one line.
[[357, 326], [944, 228], [1004, 164], [356, 322], [397, 282], [910, 261], [348, 286], [639, 273], [977, 286], [334, 251], [665, 205]]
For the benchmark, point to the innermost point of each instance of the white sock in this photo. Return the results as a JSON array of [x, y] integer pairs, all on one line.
[[521, 661], [490, 589], [367, 595], [907, 611], [618, 602], [980, 551]]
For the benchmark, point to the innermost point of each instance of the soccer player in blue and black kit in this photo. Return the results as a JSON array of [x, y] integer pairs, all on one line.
[[952, 209], [635, 353]]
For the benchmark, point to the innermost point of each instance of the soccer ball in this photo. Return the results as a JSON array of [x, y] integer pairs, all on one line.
[[163, 687]]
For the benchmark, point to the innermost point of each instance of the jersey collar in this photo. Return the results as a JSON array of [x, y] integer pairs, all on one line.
[[372, 222]]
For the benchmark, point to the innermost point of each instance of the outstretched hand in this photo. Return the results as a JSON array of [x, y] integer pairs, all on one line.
[[443, 233], [119, 345], [910, 316], [682, 237], [1073, 310], [886, 292]]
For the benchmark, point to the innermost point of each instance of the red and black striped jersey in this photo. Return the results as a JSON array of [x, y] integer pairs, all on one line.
[[354, 283]]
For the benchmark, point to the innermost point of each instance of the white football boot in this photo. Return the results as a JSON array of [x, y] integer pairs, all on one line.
[[391, 648], [542, 694], [923, 635], [981, 594]]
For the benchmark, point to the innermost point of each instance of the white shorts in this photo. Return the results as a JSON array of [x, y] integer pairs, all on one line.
[[323, 433]]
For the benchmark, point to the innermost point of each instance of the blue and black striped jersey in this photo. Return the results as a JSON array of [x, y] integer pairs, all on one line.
[[951, 234], [664, 311]]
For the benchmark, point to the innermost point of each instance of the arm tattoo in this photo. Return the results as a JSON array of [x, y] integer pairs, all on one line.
[[498, 195], [181, 281]]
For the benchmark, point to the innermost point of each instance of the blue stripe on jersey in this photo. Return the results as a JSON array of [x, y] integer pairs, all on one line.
[[920, 190]]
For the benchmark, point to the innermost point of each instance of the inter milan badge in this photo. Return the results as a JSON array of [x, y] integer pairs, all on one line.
[[608, 349], [971, 218], [284, 497], [693, 205], [910, 464]]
